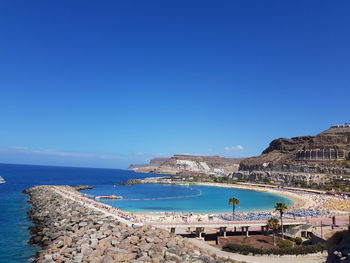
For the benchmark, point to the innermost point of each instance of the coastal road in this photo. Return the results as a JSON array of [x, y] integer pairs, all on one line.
[[258, 259]]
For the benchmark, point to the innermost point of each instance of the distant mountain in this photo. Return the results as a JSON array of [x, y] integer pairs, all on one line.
[[190, 165], [311, 159]]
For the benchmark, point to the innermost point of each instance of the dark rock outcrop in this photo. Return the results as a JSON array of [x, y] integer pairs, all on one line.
[[339, 248], [131, 182], [82, 187]]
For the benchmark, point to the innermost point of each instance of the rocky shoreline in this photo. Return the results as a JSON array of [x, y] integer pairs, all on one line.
[[68, 231]]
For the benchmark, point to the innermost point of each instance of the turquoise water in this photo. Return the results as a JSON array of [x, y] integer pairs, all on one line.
[[195, 198]]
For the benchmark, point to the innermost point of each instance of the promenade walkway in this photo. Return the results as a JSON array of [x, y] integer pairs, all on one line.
[[218, 224]]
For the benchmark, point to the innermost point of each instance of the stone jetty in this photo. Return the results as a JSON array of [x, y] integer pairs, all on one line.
[[82, 187], [67, 230], [152, 180]]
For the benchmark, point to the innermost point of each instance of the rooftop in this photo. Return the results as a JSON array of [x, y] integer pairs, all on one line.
[[345, 125]]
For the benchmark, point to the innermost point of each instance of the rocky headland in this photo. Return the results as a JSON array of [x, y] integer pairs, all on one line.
[[190, 165], [149, 167], [69, 231], [305, 159]]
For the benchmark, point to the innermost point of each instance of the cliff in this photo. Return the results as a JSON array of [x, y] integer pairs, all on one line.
[[191, 165], [311, 159]]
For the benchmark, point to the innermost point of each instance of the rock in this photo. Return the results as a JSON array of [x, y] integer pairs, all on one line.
[[144, 259], [133, 240], [107, 259], [150, 239], [114, 242], [82, 224], [78, 258], [48, 261], [93, 242], [172, 257], [115, 250], [171, 243]]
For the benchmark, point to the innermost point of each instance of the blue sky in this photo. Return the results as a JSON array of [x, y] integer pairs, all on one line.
[[109, 83]]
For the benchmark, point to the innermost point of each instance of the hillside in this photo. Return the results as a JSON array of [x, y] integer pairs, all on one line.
[[190, 165], [305, 158], [154, 163]]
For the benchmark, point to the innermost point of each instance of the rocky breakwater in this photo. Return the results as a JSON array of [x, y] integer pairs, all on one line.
[[69, 231], [82, 187], [152, 180]]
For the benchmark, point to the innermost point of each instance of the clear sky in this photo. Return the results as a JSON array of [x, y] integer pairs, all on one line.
[[109, 83]]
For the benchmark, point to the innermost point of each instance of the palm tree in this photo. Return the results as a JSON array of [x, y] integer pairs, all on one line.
[[273, 224], [281, 207], [233, 201]]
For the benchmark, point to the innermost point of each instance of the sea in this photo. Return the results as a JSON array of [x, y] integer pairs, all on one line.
[[14, 223]]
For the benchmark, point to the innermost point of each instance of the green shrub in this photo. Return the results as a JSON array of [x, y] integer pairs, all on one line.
[[298, 241], [285, 244], [301, 250]]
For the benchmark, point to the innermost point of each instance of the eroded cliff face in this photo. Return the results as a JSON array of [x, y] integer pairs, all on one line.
[[311, 159], [192, 165]]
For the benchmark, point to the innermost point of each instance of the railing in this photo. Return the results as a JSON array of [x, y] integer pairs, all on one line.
[[220, 223]]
